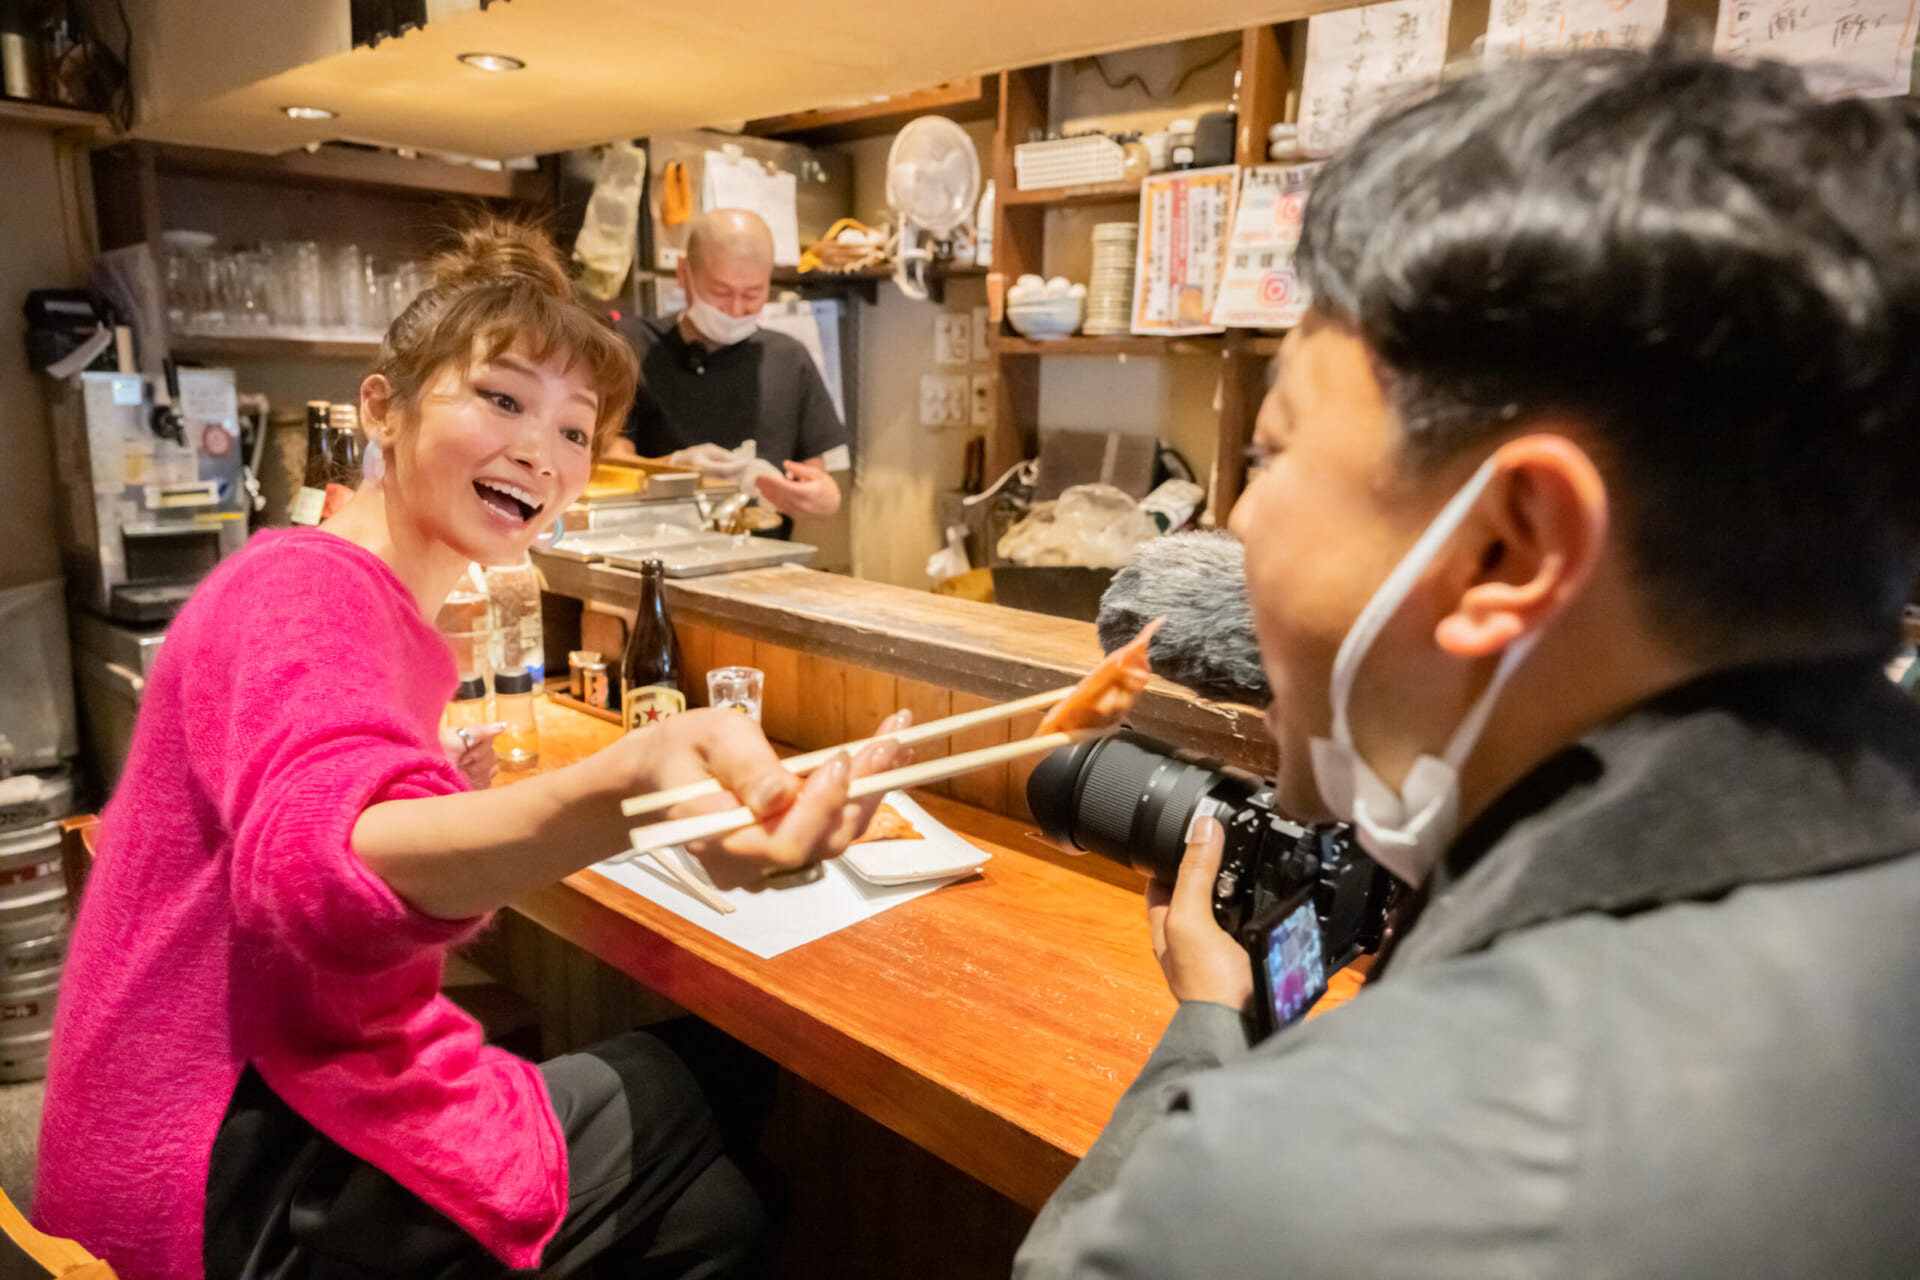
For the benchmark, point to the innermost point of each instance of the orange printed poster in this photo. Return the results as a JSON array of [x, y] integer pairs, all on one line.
[[1184, 219]]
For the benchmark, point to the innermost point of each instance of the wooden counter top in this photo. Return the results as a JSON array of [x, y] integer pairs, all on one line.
[[995, 1022], [996, 653]]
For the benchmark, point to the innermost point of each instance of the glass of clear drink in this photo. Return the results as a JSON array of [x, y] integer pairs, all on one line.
[[735, 689]]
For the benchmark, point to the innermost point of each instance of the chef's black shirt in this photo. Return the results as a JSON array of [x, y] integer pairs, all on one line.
[[765, 389]]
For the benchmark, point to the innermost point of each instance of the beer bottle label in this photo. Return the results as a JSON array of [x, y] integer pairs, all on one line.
[[650, 704], [308, 504]]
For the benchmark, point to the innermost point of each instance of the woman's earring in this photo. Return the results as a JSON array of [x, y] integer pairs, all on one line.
[[549, 537]]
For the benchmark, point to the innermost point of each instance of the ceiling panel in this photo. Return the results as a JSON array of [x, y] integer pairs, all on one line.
[[599, 69]]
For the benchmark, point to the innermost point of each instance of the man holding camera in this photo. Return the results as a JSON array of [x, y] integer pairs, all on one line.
[[1588, 501]]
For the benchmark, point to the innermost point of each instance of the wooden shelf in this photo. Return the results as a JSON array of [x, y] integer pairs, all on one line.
[[1090, 193], [340, 166], [1120, 344], [868, 280], [965, 100], [238, 347], [43, 115], [1259, 344]]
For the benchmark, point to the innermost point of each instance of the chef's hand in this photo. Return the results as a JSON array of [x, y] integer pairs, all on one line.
[[800, 822], [1201, 960], [807, 490], [473, 755]]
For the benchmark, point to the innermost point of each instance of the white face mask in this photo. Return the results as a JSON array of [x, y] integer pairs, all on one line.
[[716, 325], [1405, 831]]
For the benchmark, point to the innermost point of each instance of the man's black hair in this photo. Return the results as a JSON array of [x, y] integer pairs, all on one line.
[[1713, 272]]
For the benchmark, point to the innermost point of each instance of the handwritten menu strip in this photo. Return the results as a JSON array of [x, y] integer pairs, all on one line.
[[1259, 289], [1184, 220], [1846, 48], [1524, 28], [1362, 61]]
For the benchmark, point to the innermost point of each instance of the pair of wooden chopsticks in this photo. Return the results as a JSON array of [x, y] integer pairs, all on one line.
[[661, 835]]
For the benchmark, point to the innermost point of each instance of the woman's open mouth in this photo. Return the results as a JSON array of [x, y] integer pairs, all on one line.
[[509, 501]]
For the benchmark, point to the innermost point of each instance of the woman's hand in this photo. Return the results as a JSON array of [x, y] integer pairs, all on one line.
[[799, 823], [473, 754]]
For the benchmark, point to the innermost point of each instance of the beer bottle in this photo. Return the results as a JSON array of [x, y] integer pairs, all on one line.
[[311, 501], [343, 458], [653, 675]]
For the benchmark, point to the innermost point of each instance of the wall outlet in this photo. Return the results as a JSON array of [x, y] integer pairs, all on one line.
[[933, 404], [982, 386], [954, 398], [981, 332], [952, 341]]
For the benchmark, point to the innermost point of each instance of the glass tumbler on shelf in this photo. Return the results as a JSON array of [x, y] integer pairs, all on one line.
[[736, 689]]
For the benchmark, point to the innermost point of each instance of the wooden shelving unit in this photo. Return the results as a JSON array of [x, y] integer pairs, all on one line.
[[1120, 344], [965, 100], [41, 115], [1126, 190], [867, 280], [240, 347], [1019, 249]]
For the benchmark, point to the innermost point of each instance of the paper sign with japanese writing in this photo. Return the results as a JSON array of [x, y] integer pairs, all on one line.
[[1524, 28], [1362, 61], [1259, 289], [1183, 245], [1847, 48]]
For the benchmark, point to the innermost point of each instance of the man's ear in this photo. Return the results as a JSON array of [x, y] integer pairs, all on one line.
[[1543, 528]]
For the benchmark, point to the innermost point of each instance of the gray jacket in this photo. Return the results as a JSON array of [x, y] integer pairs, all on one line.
[[1661, 1018]]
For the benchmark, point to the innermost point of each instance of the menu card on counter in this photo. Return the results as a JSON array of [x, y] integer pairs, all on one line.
[[1527, 28], [1184, 218], [1846, 48], [1259, 289], [1362, 61]]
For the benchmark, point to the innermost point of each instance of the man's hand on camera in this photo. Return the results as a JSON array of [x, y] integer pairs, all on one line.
[[1201, 960]]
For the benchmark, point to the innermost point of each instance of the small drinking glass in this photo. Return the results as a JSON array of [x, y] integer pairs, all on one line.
[[735, 689]]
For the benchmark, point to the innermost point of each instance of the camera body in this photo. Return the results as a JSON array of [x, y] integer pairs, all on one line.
[[1303, 900]]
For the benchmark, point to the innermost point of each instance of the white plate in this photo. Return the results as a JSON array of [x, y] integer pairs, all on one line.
[[941, 855]]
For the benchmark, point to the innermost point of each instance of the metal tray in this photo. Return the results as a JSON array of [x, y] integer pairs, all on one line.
[[717, 553]]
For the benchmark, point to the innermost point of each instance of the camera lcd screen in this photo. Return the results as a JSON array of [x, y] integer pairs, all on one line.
[[1293, 968]]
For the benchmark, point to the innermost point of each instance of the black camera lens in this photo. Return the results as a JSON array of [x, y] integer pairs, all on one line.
[[1128, 799]]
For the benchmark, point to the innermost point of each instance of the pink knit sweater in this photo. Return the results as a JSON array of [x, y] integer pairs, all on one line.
[[229, 922]]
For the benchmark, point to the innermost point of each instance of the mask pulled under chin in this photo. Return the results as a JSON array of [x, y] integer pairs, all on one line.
[[717, 326], [1407, 830]]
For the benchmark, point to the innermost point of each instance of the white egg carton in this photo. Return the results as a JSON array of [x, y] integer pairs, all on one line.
[[1068, 162]]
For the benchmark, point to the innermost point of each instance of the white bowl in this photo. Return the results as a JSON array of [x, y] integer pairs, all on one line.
[[1046, 317], [188, 241]]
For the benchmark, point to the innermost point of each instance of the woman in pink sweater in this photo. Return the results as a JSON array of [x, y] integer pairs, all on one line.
[[254, 1073]]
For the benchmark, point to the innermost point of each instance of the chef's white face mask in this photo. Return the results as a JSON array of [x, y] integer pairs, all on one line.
[[1405, 831], [715, 324]]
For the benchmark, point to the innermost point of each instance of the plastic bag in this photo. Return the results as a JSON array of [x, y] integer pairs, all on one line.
[[607, 239], [951, 560], [1092, 525], [36, 686]]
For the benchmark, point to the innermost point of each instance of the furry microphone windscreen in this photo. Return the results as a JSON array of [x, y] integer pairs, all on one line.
[[1198, 583]]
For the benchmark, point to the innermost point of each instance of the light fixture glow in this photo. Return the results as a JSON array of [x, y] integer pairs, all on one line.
[[493, 62], [309, 113]]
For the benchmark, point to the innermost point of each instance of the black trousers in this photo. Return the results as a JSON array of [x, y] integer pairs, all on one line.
[[652, 1191]]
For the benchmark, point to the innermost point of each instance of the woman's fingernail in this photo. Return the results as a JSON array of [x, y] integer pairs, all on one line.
[[1203, 828], [896, 722], [839, 768]]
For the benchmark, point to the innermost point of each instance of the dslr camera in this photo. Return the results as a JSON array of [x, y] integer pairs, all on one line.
[[1304, 901]]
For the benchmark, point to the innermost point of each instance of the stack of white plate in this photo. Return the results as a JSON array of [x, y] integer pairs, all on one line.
[[1110, 290]]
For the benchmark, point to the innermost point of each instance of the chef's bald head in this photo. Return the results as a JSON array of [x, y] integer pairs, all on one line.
[[733, 235]]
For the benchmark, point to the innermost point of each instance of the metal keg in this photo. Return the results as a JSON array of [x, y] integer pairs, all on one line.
[[34, 923]]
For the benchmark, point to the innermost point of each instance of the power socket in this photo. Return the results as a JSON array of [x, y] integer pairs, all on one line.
[[954, 398], [981, 353], [952, 337], [982, 386], [943, 400]]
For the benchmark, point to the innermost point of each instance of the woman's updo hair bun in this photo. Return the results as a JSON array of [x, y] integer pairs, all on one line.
[[496, 249], [499, 286]]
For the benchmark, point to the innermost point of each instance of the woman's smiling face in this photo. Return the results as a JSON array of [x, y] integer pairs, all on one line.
[[495, 453]]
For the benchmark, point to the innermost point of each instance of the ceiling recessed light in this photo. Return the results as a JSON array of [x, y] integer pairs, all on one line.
[[493, 62], [309, 113]]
